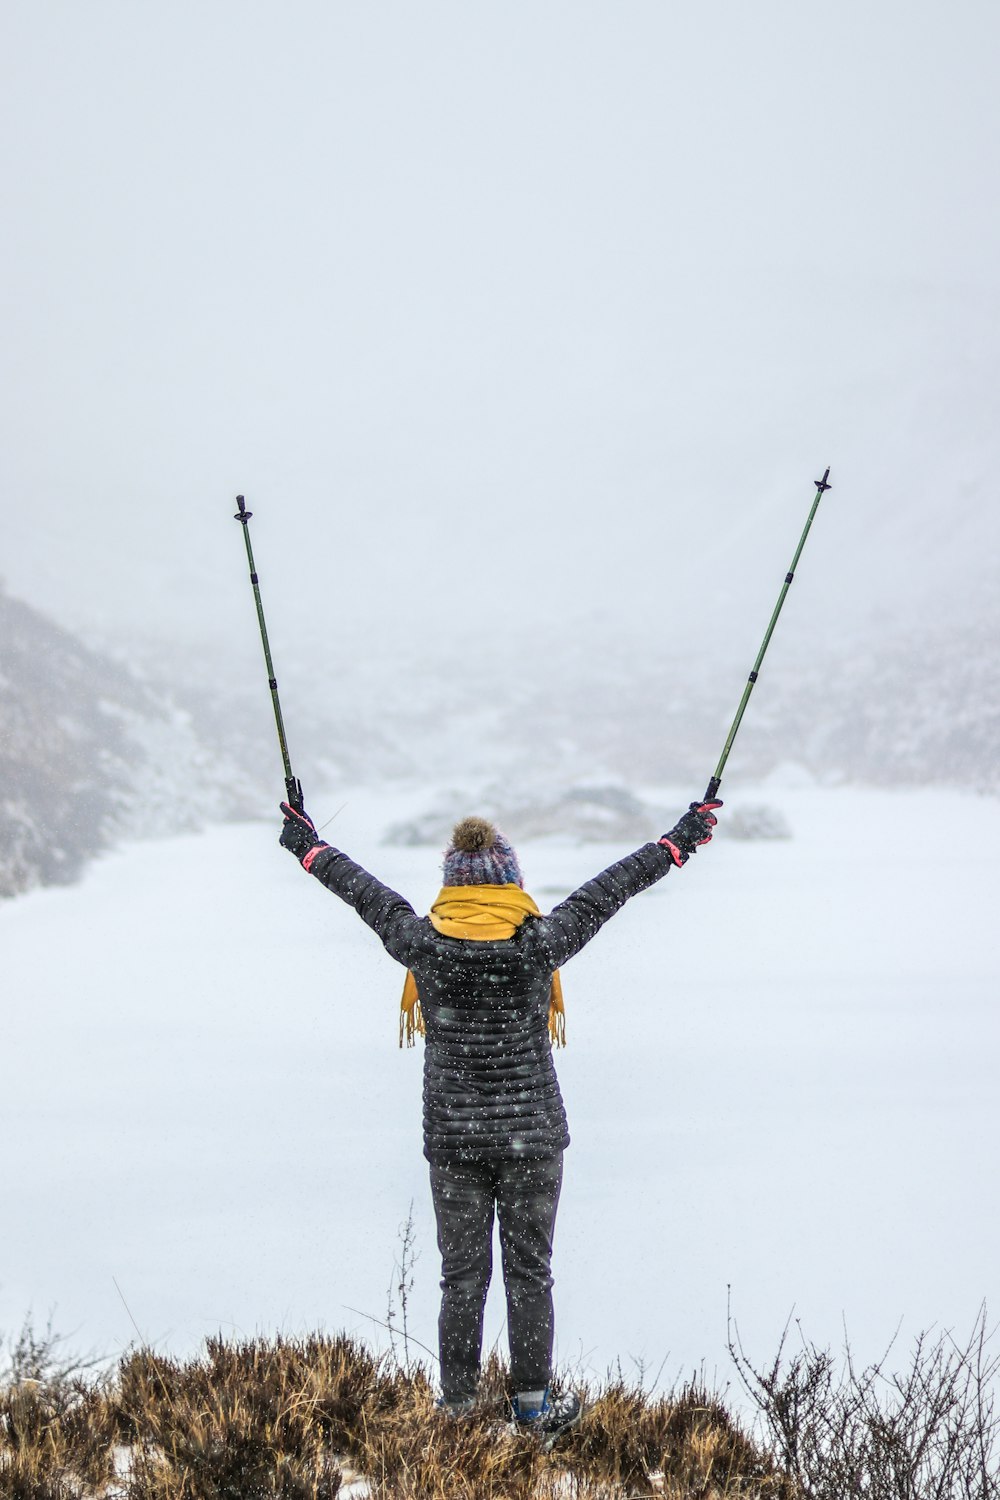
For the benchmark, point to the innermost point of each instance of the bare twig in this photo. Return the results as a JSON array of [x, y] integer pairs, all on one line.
[[926, 1432]]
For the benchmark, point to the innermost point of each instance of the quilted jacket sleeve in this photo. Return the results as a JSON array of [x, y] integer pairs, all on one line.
[[389, 916], [572, 924]]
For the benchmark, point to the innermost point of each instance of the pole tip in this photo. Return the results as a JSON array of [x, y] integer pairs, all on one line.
[[242, 514], [821, 484]]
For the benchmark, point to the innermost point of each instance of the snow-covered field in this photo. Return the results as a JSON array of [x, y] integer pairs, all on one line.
[[781, 1075]]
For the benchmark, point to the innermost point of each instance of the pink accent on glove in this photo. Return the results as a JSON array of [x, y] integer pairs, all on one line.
[[675, 853], [704, 810], [291, 812], [308, 858]]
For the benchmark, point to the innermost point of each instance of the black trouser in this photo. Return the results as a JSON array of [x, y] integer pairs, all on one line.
[[526, 1194]]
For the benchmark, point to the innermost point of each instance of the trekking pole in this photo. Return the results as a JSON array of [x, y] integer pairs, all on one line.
[[713, 785], [293, 788]]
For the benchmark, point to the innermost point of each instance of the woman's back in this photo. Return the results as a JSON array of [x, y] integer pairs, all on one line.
[[490, 1086]]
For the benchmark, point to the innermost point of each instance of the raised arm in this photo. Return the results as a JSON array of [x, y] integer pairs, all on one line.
[[390, 917], [573, 923]]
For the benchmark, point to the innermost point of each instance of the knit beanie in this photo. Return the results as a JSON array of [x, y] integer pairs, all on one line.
[[480, 855]]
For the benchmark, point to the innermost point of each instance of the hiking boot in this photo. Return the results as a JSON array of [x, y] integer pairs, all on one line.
[[462, 1408], [555, 1415]]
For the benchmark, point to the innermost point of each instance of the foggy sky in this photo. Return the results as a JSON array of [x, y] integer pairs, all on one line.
[[499, 314]]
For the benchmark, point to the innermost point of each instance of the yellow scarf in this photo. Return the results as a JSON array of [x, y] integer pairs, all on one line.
[[486, 914]]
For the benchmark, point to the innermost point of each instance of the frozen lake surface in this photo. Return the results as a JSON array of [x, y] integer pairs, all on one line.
[[781, 1076]]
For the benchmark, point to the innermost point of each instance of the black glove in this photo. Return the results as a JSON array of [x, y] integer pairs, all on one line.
[[694, 828], [299, 832]]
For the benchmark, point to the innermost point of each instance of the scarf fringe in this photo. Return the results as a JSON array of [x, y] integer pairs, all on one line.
[[411, 1022], [411, 1018]]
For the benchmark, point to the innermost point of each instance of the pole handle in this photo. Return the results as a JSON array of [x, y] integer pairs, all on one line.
[[712, 790], [293, 793]]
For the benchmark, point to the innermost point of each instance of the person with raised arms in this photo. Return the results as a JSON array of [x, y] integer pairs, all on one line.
[[483, 987]]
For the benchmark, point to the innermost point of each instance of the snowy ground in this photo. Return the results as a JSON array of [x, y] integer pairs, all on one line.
[[781, 1076]]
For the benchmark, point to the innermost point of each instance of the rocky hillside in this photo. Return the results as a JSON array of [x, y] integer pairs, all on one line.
[[90, 753]]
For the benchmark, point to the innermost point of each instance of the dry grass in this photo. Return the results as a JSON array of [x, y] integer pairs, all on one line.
[[285, 1418], [56, 1441], [255, 1418], [688, 1438], [290, 1419]]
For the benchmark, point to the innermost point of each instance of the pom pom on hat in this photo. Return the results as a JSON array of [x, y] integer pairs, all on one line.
[[472, 835], [480, 855]]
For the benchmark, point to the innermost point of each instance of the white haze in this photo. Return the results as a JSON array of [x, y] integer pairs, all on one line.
[[498, 314]]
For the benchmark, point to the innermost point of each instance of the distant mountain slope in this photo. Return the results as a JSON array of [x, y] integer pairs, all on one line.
[[887, 706], [95, 747], [89, 753]]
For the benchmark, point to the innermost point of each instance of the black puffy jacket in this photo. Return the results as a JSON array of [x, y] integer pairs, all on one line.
[[490, 1087]]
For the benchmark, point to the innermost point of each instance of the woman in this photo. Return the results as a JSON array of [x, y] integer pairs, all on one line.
[[483, 986]]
